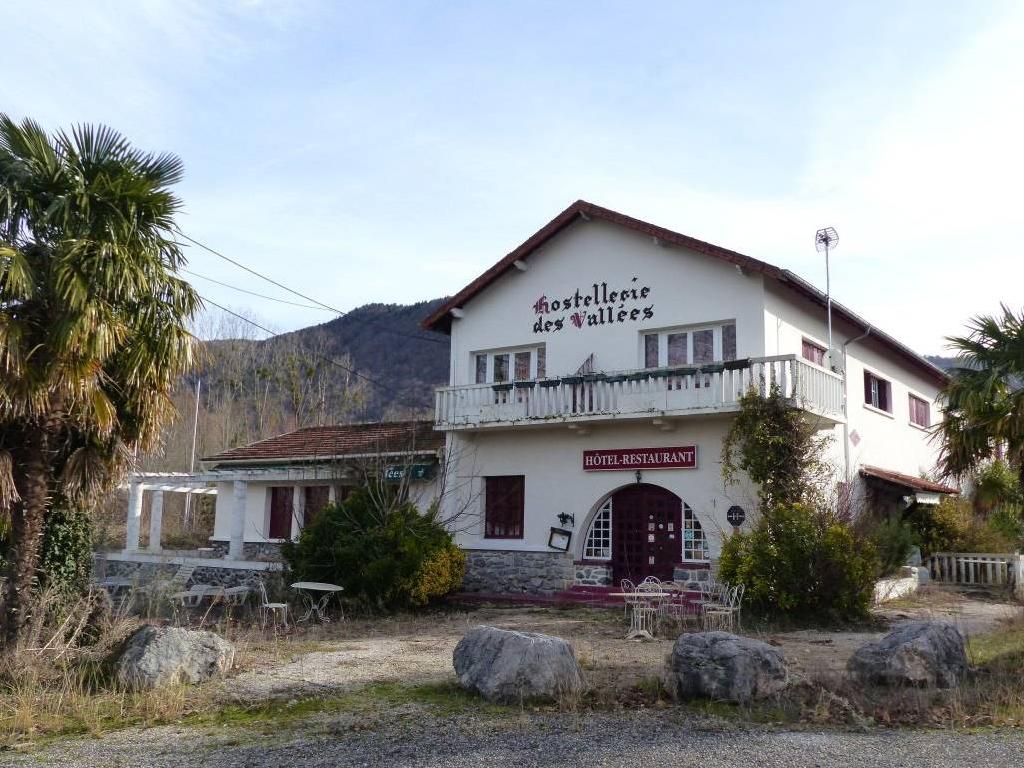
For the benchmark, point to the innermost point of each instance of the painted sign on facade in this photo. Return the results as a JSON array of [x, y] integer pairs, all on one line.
[[598, 304], [679, 457]]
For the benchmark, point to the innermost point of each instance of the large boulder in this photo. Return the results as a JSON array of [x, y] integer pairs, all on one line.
[[158, 656], [917, 653], [512, 667], [724, 667]]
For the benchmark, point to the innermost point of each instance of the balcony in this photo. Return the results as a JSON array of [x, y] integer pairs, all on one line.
[[647, 393]]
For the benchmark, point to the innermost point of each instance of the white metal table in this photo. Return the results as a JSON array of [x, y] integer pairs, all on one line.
[[643, 614], [316, 605]]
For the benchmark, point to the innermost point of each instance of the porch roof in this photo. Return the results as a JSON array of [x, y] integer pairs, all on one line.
[[906, 481], [313, 444]]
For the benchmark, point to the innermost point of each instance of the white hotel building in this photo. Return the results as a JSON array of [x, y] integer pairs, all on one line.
[[594, 373]]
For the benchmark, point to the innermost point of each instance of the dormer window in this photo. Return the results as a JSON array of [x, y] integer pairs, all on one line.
[[691, 346]]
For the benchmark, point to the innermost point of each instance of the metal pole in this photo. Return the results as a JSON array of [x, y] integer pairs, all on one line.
[[828, 302], [192, 460]]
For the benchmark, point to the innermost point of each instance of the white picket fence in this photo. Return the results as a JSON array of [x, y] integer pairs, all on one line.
[[978, 569]]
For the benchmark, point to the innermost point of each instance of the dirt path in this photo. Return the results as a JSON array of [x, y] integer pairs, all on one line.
[[417, 651]]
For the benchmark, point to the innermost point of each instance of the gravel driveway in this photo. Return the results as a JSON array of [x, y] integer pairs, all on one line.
[[644, 740]]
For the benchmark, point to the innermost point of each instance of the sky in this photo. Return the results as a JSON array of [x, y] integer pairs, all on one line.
[[378, 151]]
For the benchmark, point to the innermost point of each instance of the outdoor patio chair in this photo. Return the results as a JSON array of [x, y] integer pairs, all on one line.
[[628, 587], [269, 609], [195, 595], [725, 615], [170, 586]]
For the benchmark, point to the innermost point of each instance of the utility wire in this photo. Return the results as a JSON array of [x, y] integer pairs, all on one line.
[[253, 293], [333, 362], [284, 287]]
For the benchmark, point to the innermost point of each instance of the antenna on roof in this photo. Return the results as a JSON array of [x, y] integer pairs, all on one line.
[[825, 240]]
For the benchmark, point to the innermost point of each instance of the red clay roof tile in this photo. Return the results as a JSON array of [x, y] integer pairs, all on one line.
[[337, 441]]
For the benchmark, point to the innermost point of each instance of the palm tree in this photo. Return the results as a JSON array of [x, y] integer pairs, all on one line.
[[984, 399], [93, 324]]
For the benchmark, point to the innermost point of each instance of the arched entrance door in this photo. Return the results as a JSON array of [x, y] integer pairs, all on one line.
[[647, 532]]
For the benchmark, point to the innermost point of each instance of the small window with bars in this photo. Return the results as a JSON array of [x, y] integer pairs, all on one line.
[[598, 544], [695, 543]]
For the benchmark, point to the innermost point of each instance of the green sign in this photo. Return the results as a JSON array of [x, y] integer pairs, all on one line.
[[396, 473]]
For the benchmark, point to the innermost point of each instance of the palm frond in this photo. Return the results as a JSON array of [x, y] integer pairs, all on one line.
[[8, 491]]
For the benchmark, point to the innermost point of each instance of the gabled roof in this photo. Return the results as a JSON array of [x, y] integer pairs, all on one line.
[[440, 320], [906, 481], [338, 442]]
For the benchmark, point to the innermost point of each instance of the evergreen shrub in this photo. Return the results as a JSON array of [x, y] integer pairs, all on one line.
[[803, 563], [381, 549]]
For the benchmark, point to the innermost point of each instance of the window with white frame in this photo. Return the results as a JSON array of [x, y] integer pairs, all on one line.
[[598, 544], [695, 543], [502, 366], [695, 345]]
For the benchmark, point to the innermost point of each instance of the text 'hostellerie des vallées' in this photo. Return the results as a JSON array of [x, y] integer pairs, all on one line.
[[596, 306]]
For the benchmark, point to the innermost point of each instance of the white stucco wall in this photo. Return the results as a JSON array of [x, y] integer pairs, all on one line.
[[551, 459], [685, 288], [257, 507], [881, 439]]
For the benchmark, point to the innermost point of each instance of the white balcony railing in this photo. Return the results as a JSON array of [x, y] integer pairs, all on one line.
[[648, 392]]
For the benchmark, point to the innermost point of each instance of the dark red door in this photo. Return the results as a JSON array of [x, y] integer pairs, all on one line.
[[280, 513], [646, 532]]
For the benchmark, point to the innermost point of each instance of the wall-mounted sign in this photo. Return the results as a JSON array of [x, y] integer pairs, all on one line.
[[679, 457], [735, 515], [559, 538], [395, 473], [599, 304]]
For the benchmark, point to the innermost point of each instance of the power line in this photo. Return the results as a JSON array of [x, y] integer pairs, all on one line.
[[253, 293], [284, 287], [333, 362]]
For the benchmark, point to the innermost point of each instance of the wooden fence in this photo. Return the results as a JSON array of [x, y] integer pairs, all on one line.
[[980, 569]]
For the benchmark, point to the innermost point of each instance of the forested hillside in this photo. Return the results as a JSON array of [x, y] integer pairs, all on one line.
[[372, 363]]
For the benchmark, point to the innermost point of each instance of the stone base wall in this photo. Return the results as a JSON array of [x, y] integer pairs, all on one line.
[[589, 575], [146, 573], [268, 551], [691, 576], [507, 572]]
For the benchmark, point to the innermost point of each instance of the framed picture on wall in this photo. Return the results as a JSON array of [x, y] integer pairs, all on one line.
[[559, 539]]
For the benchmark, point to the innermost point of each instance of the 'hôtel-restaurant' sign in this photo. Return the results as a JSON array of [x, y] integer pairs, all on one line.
[[680, 457]]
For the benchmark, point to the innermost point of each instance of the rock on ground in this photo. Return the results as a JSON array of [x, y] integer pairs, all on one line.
[[511, 667], [724, 667], [918, 653], [158, 656]]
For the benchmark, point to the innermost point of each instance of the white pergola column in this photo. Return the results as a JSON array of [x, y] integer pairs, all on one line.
[[131, 530], [236, 547], [298, 509], [156, 520]]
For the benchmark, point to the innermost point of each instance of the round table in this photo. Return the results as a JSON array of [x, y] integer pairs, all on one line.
[[643, 616], [316, 605]]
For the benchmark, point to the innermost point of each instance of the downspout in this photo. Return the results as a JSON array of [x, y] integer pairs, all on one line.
[[846, 402]]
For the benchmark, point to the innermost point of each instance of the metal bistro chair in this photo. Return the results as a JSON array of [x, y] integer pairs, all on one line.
[[651, 606], [268, 609], [628, 587], [725, 615]]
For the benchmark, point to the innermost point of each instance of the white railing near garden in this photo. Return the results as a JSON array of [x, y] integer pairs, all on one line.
[[970, 568]]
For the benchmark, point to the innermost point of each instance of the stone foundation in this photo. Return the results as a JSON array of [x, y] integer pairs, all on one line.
[[590, 575], [691, 575], [145, 573], [507, 572]]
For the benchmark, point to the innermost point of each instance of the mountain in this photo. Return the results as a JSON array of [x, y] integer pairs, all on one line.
[[945, 363], [384, 343]]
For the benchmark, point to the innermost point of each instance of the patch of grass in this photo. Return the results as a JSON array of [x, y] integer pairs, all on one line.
[[441, 699]]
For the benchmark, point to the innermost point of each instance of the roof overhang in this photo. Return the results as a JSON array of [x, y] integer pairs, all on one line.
[[441, 319], [924, 491]]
